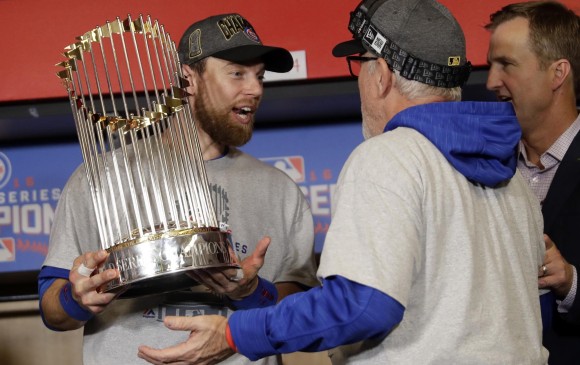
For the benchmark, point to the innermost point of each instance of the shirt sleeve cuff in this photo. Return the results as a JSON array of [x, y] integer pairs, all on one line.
[[565, 305]]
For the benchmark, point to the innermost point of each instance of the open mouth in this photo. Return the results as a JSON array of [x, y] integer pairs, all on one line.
[[244, 112]]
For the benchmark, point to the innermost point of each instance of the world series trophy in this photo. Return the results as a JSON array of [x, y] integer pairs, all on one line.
[[142, 157]]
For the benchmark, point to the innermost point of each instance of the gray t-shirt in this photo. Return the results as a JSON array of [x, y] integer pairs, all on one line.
[[253, 198], [461, 258]]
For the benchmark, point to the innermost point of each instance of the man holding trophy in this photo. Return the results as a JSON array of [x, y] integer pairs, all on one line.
[[264, 213]]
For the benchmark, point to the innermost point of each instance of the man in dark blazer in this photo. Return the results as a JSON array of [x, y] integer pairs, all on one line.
[[561, 210], [534, 58]]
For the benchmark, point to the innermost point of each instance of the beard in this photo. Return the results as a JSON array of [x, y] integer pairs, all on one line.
[[217, 124]]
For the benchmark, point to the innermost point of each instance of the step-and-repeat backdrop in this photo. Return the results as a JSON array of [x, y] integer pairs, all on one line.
[[32, 179]]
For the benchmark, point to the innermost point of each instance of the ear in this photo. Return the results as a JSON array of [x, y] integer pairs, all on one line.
[[189, 75], [562, 70], [384, 77]]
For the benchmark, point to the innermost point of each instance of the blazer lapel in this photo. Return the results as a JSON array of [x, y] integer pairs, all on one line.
[[566, 179]]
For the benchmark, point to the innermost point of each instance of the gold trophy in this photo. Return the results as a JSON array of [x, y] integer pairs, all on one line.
[[142, 157]]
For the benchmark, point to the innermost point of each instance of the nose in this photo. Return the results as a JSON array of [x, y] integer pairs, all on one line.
[[493, 80], [254, 86]]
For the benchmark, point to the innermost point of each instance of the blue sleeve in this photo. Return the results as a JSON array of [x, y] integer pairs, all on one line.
[[46, 277], [338, 312]]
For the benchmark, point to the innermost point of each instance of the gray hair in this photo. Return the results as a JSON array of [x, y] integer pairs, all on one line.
[[414, 89]]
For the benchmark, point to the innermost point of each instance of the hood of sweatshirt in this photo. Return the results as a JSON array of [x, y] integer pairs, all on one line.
[[479, 139]]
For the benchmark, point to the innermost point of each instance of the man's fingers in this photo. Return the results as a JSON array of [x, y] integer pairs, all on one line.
[[256, 259], [94, 259], [169, 355], [190, 324], [548, 242], [154, 356], [193, 324], [86, 264], [103, 278], [262, 247]]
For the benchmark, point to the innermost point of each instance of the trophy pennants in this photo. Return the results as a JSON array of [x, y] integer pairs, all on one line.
[[142, 157]]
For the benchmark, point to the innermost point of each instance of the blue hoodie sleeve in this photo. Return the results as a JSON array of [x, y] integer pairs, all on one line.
[[338, 312]]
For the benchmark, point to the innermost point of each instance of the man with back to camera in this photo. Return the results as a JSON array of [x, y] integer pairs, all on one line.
[[224, 61], [534, 57], [435, 242]]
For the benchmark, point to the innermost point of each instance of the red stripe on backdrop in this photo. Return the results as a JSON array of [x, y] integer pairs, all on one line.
[[34, 33]]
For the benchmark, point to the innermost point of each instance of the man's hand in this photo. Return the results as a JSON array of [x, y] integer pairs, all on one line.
[[556, 274], [85, 285], [84, 281], [206, 344], [229, 281]]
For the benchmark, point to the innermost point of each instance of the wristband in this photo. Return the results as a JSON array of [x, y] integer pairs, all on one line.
[[70, 305], [265, 295], [229, 338]]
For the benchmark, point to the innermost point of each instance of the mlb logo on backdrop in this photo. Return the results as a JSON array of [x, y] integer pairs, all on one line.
[[7, 249], [293, 166]]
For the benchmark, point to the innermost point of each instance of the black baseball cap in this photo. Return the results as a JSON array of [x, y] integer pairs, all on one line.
[[230, 37], [419, 38]]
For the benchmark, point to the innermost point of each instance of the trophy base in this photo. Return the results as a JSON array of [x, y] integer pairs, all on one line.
[[159, 262]]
